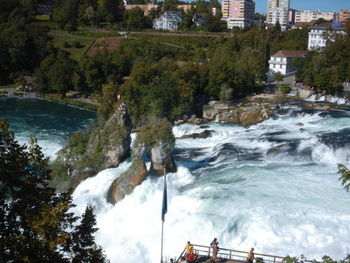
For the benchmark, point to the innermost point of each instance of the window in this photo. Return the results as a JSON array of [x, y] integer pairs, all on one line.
[[280, 66]]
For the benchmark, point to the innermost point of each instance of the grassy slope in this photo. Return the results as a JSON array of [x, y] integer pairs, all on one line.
[[59, 37]]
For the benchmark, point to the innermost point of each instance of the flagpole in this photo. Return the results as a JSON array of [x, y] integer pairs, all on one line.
[[163, 215], [161, 253]]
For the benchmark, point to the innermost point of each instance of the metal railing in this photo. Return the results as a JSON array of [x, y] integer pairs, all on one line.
[[233, 254]]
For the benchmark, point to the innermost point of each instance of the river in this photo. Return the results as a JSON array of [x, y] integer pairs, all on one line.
[[273, 186]]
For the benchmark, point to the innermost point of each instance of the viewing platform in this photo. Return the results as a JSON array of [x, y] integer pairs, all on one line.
[[204, 254]]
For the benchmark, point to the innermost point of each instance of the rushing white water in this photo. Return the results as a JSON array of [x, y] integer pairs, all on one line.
[[327, 98], [273, 186]]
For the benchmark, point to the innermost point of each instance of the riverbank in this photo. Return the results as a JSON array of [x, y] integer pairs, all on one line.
[[77, 102]]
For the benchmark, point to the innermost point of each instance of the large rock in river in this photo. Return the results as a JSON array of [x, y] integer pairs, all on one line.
[[156, 142], [245, 114], [161, 156], [126, 183]]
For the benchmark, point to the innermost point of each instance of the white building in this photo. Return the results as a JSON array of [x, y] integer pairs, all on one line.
[[319, 34], [170, 20], [277, 11], [306, 16], [282, 61]]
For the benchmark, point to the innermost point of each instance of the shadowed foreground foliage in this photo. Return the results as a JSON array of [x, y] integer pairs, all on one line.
[[35, 222]]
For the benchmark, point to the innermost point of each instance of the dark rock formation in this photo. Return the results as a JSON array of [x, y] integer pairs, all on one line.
[[202, 135], [126, 183]]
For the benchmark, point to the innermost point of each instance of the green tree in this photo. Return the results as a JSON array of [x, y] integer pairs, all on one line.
[[135, 19], [34, 219], [83, 245], [278, 77], [107, 101]]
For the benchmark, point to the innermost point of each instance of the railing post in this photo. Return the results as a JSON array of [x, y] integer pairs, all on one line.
[[274, 259], [230, 254]]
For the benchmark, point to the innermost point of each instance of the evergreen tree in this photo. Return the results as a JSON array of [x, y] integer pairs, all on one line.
[[83, 242], [34, 220]]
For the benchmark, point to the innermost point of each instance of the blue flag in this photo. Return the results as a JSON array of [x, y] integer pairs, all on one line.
[[165, 200]]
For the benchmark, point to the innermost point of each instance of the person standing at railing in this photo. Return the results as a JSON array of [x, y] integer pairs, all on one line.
[[188, 248], [250, 256], [213, 243], [216, 249], [301, 258]]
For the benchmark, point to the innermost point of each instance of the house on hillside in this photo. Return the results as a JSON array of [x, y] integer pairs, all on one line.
[[319, 34], [282, 61], [170, 20], [198, 20]]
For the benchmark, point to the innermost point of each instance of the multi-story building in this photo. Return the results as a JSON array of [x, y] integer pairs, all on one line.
[[170, 20], [344, 15], [306, 16], [282, 61], [238, 13], [319, 34], [146, 8], [277, 11]]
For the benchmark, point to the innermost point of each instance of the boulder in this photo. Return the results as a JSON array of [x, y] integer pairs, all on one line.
[[126, 183], [161, 155], [79, 176], [245, 114], [202, 135]]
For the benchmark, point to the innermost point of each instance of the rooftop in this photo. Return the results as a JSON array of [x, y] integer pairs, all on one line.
[[290, 53]]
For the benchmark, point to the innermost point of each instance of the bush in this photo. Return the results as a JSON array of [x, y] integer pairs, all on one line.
[[66, 44], [284, 89], [76, 44], [157, 130]]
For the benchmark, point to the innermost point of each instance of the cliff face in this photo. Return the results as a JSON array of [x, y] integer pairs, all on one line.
[[104, 147], [111, 144]]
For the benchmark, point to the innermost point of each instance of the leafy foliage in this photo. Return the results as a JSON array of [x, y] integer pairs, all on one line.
[[155, 131]]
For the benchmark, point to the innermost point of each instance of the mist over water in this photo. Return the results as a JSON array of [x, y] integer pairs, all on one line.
[[273, 186]]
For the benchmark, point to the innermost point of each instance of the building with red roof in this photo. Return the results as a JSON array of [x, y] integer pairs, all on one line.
[[282, 61]]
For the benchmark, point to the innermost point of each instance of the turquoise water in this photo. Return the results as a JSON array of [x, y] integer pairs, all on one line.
[[50, 122]]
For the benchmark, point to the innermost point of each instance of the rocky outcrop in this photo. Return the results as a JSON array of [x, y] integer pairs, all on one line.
[[244, 114], [161, 156], [156, 142], [194, 120], [111, 144], [126, 183], [202, 135]]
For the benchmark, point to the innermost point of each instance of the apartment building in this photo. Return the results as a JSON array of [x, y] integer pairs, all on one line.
[[277, 11], [319, 34], [306, 16], [344, 15], [238, 13]]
